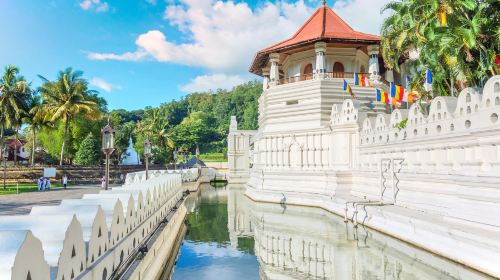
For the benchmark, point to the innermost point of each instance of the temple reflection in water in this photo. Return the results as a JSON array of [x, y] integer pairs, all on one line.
[[294, 242]]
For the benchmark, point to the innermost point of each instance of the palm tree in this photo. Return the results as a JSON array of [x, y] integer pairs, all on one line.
[[66, 98], [37, 118], [14, 92], [460, 48]]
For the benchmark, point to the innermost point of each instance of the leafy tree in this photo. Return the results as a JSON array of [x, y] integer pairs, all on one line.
[[36, 118], [14, 93], [69, 97], [459, 49], [89, 152]]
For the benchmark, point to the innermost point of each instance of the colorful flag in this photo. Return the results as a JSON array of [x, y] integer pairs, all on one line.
[[383, 96], [361, 80], [442, 17], [348, 89], [408, 82], [412, 97], [428, 80]]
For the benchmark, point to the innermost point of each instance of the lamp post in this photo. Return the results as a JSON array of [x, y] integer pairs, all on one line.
[[176, 155], [5, 156], [108, 146], [147, 154]]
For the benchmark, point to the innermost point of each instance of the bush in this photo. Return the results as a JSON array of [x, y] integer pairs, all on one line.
[[89, 151]]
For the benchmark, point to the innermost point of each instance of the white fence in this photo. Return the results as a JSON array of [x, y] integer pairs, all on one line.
[[188, 175], [85, 238]]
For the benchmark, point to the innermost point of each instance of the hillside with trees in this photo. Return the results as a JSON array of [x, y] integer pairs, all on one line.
[[62, 119]]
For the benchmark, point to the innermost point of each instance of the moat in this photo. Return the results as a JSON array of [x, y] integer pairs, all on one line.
[[231, 237]]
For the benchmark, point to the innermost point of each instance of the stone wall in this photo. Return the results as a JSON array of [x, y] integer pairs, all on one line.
[[76, 174]]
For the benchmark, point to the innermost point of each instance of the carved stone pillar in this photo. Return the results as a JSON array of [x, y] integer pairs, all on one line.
[[274, 73]]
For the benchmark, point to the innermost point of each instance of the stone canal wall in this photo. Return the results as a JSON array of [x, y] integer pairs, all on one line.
[[96, 236]]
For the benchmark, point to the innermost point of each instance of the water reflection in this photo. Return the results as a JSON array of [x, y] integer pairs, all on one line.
[[209, 251], [292, 242]]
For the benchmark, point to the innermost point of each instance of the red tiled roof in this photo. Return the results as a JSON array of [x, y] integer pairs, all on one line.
[[323, 25]]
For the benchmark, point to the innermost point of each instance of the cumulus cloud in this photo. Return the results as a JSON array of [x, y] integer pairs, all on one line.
[[222, 37], [212, 82], [96, 5], [102, 84], [370, 22]]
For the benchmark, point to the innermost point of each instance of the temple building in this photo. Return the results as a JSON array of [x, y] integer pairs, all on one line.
[[428, 175]]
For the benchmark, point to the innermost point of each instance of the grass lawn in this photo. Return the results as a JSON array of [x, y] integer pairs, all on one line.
[[213, 157], [12, 189]]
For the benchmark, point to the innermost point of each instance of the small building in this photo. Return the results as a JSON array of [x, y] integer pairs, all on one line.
[[17, 147]]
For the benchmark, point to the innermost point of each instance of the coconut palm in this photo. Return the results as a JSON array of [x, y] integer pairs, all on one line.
[[66, 98], [14, 92], [37, 118]]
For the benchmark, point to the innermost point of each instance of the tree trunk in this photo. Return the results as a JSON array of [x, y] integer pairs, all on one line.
[[15, 146], [64, 140], [33, 147]]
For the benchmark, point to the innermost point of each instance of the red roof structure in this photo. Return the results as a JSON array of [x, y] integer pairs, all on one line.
[[323, 26]]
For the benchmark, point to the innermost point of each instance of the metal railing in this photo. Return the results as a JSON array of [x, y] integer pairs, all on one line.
[[389, 169]]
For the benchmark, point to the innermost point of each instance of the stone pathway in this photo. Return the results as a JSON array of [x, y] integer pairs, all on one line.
[[20, 204]]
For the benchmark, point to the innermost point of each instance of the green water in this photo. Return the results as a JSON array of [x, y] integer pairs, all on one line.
[[232, 237]]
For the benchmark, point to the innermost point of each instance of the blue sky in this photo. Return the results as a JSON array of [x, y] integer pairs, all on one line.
[[141, 53]]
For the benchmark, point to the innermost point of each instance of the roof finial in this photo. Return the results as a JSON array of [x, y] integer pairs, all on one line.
[[324, 3]]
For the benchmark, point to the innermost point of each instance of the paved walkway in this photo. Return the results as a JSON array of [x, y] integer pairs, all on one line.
[[20, 204]]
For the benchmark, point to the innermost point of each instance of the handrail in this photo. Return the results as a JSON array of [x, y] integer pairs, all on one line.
[[310, 76]]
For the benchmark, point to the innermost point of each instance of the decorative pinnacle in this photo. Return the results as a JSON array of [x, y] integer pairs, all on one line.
[[324, 2]]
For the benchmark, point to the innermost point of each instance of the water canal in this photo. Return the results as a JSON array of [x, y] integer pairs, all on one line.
[[232, 237]]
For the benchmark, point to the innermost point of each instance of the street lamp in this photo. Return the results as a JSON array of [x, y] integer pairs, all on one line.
[[147, 154], [108, 146], [176, 155], [5, 156]]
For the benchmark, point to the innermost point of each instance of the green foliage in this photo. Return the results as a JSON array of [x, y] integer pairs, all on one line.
[[213, 157], [401, 125], [89, 152], [461, 50]]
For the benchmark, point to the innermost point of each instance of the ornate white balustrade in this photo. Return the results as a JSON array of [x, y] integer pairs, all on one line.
[[457, 135], [86, 238], [188, 175]]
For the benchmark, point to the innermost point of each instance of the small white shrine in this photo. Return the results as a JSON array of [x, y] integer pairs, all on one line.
[[130, 156]]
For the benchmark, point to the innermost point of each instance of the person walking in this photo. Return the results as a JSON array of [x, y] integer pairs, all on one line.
[[65, 181], [103, 182], [48, 184], [39, 183], [44, 182]]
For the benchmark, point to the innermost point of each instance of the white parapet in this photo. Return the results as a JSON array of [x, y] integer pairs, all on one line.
[[447, 189], [89, 237]]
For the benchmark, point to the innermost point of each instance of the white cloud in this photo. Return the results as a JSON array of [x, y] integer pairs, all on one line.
[[212, 82], [102, 84], [223, 36], [371, 19], [94, 4]]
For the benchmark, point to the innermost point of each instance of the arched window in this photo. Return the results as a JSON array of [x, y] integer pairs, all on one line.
[[338, 67], [308, 69]]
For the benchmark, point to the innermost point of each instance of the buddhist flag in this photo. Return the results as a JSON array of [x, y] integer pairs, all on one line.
[[383, 96], [428, 80], [412, 97], [360, 80], [442, 18], [348, 89]]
